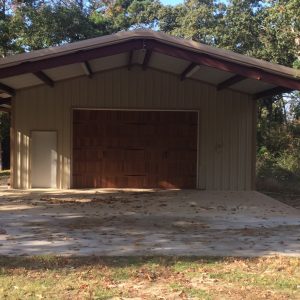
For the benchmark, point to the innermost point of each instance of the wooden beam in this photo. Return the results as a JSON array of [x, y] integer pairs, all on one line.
[[254, 144], [188, 70], [70, 58], [147, 59], [43, 77], [13, 147], [5, 109], [87, 69], [129, 65], [5, 101], [272, 92], [7, 89], [157, 46], [229, 82], [224, 65]]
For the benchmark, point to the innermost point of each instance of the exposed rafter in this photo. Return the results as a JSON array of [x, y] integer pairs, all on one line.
[[5, 101], [7, 89], [147, 59], [272, 92], [43, 77], [87, 69], [130, 55], [229, 82], [191, 68], [70, 58], [5, 109], [178, 51], [224, 65]]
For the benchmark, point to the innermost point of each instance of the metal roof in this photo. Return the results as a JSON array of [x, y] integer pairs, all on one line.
[[149, 49]]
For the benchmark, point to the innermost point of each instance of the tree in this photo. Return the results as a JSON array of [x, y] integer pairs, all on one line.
[[280, 32], [195, 19], [8, 35], [41, 24]]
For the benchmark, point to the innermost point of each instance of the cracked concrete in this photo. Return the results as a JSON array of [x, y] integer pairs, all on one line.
[[146, 222]]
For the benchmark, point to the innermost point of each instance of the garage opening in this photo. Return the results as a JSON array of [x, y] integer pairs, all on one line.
[[134, 149]]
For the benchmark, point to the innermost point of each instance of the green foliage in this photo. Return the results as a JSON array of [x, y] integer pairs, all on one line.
[[294, 106], [41, 24], [264, 29], [278, 159], [193, 20]]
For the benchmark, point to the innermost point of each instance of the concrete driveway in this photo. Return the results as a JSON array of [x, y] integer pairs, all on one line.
[[146, 222]]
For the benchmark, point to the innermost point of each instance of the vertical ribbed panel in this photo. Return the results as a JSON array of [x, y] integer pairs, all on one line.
[[225, 120]]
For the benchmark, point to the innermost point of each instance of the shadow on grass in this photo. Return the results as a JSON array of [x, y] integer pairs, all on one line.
[[46, 262]]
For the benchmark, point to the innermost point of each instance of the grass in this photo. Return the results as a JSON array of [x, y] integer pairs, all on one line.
[[50, 277]]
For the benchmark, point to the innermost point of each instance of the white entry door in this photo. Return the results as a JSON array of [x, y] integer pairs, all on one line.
[[43, 159]]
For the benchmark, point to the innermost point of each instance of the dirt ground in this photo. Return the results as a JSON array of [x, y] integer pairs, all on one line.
[[146, 222]]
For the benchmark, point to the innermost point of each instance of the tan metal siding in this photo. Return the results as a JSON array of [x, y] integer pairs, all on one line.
[[225, 129]]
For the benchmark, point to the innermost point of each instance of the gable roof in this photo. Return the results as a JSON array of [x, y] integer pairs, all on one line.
[[185, 58]]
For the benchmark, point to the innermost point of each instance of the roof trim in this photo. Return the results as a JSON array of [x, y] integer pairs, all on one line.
[[28, 66], [227, 66], [152, 41], [7, 89]]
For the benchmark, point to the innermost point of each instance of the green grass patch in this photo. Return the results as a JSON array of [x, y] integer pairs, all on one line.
[[50, 277], [193, 292], [277, 282]]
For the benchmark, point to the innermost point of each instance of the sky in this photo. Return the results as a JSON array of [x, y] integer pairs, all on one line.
[[175, 2], [171, 2]]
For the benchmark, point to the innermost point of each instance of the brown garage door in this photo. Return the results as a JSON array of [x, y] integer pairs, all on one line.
[[140, 149]]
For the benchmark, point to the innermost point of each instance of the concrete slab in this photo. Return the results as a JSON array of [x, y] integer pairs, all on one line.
[[146, 222]]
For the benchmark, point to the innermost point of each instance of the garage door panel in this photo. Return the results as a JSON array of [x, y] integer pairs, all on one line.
[[134, 149], [84, 181], [183, 143], [147, 129], [94, 153], [81, 116], [109, 142], [111, 154], [112, 167], [152, 169], [137, 181], [79, 168], [114, 182], [174, 182], [93, 167], [78, 154], [134, 154], [180, 168], [181, 154], [134, 168]]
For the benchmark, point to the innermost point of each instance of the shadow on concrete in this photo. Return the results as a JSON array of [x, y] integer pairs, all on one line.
[[59, 262], [146, 222]]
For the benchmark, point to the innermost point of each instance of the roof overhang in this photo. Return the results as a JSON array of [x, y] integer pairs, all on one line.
[[187, 59]]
